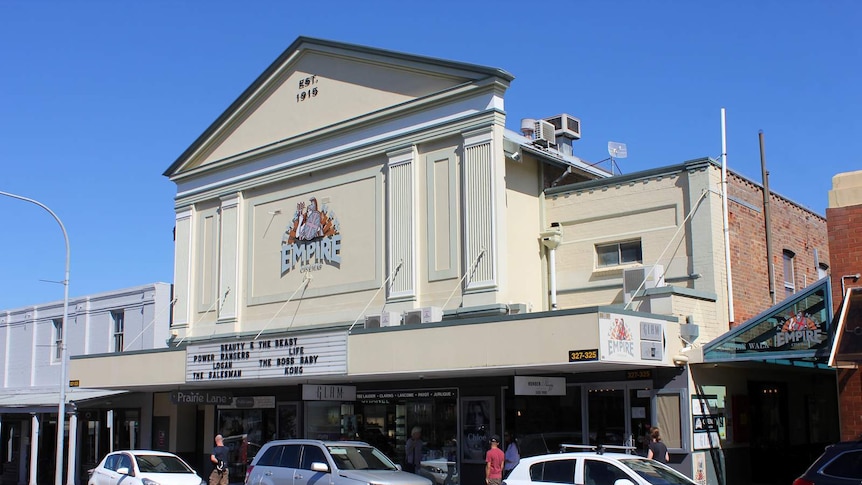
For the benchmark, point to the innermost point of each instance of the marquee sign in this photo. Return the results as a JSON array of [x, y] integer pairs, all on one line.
[[249, 358]]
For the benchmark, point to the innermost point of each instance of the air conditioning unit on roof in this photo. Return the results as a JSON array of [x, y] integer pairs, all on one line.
[[423, 315], [566, 126], [383, 319], [650, 276], [543, 134]]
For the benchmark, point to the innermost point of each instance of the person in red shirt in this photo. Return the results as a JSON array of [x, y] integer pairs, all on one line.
[[494, 459]]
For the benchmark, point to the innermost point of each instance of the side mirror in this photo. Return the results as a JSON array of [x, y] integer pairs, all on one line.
[[123, 470], [320, 467], [624, 481]]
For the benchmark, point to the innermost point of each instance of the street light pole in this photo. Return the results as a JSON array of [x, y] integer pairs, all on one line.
[[61, 407]]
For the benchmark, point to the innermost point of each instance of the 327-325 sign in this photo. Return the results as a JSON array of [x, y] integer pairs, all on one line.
[[583, 355]]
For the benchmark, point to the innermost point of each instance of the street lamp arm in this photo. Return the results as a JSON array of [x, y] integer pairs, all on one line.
[[64, 366], [62, 227]]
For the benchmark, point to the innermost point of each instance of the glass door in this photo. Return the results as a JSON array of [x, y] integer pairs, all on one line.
[[619, 413], [641, 417], [607, 416]]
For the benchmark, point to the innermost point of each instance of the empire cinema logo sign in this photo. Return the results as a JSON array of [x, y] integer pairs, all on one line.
[[311, 240]]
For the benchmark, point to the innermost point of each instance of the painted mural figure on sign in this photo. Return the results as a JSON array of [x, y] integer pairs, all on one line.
[[309, 225], [312, 240], [620, 331], [799, 321], [309, 222]]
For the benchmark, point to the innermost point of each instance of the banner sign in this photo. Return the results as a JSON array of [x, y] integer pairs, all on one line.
[[540, 386]]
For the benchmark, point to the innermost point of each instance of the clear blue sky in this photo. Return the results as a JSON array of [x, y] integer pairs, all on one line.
[[98, 98]]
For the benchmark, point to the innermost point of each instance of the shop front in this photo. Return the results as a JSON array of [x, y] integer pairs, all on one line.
[[769, 395]]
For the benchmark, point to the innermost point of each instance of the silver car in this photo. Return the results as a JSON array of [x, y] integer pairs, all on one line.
[[313, 462]]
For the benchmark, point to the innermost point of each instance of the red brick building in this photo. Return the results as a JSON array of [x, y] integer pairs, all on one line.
[[845, 244], [800, 253]]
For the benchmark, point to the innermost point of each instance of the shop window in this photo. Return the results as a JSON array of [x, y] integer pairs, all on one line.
[[58, 339], [789, 277], [386, 419], [616, 254], [669, 411], [119, 319]]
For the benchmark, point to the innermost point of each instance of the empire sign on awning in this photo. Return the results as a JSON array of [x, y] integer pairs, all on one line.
[[797, 329]]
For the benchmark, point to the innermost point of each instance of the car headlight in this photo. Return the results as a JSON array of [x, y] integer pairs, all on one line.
[[147, 481]]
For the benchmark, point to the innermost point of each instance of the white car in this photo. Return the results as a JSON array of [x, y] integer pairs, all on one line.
[[593, 468], [143, 467]]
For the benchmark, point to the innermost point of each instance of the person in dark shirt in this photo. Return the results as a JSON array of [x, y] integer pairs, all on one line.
[[657, 449], [219, 456]]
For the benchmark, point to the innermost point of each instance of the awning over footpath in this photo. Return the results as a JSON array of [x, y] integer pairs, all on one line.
[[847, 350], [44, 400], [796, 331]]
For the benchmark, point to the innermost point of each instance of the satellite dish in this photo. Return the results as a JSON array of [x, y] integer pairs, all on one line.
[[617, 149]]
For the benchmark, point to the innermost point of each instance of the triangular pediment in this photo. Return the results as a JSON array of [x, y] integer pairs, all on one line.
[[316, 84]]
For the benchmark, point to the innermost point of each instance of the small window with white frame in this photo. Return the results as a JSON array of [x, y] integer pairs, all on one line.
[[822, 270], [789, 277], [58, 339], [619, 253], [119, 318]]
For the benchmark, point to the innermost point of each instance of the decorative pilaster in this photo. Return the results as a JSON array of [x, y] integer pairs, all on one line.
[[479, 226], [401, 226]]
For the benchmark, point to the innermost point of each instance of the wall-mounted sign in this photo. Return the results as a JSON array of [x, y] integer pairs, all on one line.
[[389, 397], [290, 357], [705, 441], [652, 351], [540, 386], [639, 374], [74, 383], [583, 355], [707, 423], [201, 397], [311, 240], [251, 402], [651, 330], [320, 392], [307, 88], [628, 338]]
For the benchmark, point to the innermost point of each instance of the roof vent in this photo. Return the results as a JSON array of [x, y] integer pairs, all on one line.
[[527, 127], [566, 126]]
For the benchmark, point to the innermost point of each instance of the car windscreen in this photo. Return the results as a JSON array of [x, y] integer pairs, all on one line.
[[360, 458], [655, 473], [161, 464]]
